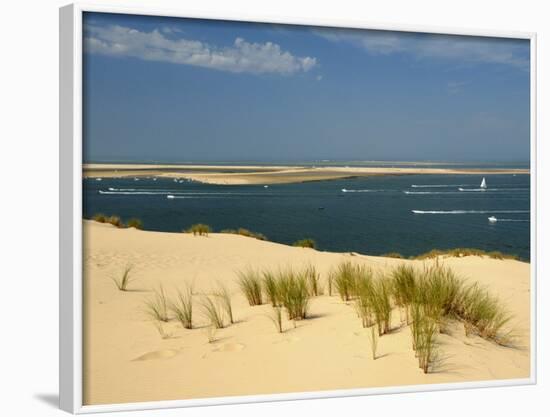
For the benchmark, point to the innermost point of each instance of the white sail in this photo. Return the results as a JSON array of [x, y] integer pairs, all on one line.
[[483, 183]]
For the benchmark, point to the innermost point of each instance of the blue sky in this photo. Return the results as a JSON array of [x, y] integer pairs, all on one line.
[[176, 90]]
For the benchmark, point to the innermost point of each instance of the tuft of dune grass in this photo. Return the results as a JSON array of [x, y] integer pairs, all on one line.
[[157, 306], [122, 282], [344, 280], [250, 283], [135, 223], [294, 293], [199, 229], [212, 310], [183, 307], [461, 252], [245, 232], [306, 243], [395, 255], [224, 296], [100, 218]]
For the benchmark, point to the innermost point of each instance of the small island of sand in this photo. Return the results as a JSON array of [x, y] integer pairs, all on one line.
[[252, 174]]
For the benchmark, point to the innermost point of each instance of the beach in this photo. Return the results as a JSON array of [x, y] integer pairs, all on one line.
[[127, 360], [262, 174]]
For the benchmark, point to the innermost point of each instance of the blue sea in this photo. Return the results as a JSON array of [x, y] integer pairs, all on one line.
[[409, 214]]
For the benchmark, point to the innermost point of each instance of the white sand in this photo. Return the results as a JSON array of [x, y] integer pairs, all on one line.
[[126, 360]]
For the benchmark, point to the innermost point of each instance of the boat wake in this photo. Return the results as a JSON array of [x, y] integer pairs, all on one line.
[[468, 211]]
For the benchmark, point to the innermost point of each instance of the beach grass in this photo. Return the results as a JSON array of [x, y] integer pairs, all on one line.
[[313, 279], [245, 232], [157, 306], [250, 282], [344, 280], [277, 318], [403, 287], [395, 255], [100, 218], [462, 252], [159, 325], [305, 243], [294, 293], [485, 314], [183, 307], [271, 288], [124, 280], [213, 311], [115, 221], [199, 229], [135, 223], [224, 296]]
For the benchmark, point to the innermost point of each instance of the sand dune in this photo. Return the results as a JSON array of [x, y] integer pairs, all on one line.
[[126, 360], [244, 174]]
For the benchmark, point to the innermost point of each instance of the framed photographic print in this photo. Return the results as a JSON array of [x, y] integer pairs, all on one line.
[[259, 210]]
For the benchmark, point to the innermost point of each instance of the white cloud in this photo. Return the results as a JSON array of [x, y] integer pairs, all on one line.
[[465, 49], [242, 56], [319, 77]]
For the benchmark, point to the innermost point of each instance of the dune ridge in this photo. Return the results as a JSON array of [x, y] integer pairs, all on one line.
[[127, 360]]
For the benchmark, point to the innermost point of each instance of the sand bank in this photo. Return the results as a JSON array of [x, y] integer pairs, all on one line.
[[126, 360], [240, 175]]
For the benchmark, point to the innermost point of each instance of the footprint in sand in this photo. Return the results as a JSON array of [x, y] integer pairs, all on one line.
[[230, 347], [157, 354]]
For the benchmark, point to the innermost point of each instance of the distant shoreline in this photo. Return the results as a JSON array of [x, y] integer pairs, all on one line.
[[272, 174]]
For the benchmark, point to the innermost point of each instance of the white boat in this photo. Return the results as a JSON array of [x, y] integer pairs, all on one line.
[[483, 184], [493, 219], [266, 186], [344, 190], [170, 196]]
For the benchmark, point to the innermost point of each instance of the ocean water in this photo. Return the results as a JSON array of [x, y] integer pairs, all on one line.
[[409, 214]]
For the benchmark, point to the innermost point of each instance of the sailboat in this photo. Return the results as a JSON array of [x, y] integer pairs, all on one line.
[[483, 185]]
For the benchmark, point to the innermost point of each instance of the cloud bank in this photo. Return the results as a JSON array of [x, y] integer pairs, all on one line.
[[240, 57], [466, 49]]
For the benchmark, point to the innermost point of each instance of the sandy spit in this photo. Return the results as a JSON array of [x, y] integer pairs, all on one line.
[[242, 175]]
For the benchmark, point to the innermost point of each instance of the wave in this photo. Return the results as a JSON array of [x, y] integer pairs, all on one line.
[[468, 211], [345, 190], [430, 192], [512, 220]]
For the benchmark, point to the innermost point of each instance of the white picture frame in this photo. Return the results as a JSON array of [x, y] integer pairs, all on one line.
[[70, 153]]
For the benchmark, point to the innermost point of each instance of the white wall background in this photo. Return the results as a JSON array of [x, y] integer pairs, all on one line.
[[29, 208]]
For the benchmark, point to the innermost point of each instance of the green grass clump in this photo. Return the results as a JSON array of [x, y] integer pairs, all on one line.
[[305, 243], [122, 282], [424, 331], [135, 223], [294, 293], [344, 280], [183, 308], [250, 282], [461, 252], [224, 295], [364, 289], [212, 310], [115, 221], [101, 218], [381, 304], [245, 232], [313, 280], [485, 313], [271, 287], [403, 286], [157, 307], [199, 229], [395, 255]]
